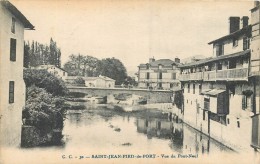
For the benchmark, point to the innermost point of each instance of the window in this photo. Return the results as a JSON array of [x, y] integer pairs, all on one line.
[[171, 85], [160, 66], [247, 103], [188, 88], [204, 115], [219, 50], [11, 92], [12, 49], [64, 73], [245, 43], [235, 42], [174, 76], [173, 66], [193, 88], [217, 118], [13, 25], [147, 75], [160, 75], [160, 85], [200, 88], [227, 120]]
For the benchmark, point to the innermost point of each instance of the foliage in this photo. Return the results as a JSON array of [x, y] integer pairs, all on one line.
[[79, 65], [39, 54], [43, 110], [79, 80], [43, 79], [130, 81], [178, 99], [113, 68]]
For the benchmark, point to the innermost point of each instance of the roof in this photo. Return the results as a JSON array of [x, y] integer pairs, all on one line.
[[48, 66], [9, 6], [200, 62], [89, 78], [163, 62], [213, 92], [237, 33]]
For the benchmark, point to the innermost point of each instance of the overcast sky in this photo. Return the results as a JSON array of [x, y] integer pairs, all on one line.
[[131, 31]]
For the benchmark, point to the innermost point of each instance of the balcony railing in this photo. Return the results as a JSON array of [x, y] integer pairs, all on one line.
[[229, 74]]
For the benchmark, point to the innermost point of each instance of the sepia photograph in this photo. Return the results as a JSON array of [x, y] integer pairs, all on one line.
[[129, 81]]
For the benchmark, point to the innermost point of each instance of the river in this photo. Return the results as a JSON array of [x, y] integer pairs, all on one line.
[[109, 132]]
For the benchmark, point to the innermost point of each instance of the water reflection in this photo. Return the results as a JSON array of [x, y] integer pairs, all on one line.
[[184, 139]]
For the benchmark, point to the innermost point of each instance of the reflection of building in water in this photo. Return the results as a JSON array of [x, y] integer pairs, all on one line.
[[184, 139], [154, 128]]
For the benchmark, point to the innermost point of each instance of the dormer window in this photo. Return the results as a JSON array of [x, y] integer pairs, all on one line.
[[160, 66], [173, 66], [13, 25]]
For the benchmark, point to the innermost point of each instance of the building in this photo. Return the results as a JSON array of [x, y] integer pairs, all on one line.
[[221, 93], [56, 71], [159, 74], [96, 82], [12, 93]]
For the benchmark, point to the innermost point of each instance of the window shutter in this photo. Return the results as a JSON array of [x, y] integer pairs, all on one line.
[[11, 91], [243, 102], [244, 43], [252, 103], [217, 50], [13, 49]]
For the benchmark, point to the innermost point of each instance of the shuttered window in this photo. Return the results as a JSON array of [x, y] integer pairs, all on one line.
[[13, 25], [11, 91], [12, 49], [245, 43]]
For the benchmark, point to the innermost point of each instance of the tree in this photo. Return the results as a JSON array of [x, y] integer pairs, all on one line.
[[26, 59], [43, 79], [113, 68]]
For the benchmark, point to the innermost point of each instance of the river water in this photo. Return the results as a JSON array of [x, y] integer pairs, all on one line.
[[102, 132]]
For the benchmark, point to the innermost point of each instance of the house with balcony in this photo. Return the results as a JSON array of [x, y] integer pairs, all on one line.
[[221, 93], [12, 92], [159, 74]]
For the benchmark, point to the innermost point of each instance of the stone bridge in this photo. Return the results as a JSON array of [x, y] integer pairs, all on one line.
[[153, 96]]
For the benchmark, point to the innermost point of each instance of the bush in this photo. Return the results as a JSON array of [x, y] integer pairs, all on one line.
[[79, 80], [43, 110], [43, 79]]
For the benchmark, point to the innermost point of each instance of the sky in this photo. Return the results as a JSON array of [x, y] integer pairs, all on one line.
[[132, 31]]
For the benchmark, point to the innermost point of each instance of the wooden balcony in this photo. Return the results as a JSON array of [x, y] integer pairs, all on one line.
[[191, 76], [223, 75]]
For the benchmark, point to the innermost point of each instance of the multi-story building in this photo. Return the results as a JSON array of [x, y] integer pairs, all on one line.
[[12, 92], [221, 93], [159, 74]]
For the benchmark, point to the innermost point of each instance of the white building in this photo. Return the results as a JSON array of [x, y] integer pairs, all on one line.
[[96, 82], [221, 94], [12, 92], [56, 71], [159, 74]]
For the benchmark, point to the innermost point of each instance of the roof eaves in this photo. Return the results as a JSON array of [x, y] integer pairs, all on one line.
[[27, 24]]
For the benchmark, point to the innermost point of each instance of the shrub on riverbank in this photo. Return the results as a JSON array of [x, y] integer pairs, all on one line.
[[46, 113], [43, 79], [43, 110]]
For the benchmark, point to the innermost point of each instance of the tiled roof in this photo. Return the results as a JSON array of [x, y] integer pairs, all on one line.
[[9, 6], [204, 61], [245, 30], [163, 62]]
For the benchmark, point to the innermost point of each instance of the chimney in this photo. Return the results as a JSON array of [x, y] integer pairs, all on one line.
[[256, 3], [177, 60], [233, 24], [244, 21], [151, 60]]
